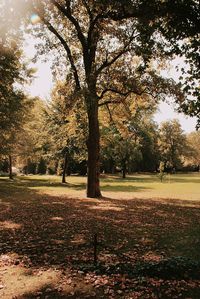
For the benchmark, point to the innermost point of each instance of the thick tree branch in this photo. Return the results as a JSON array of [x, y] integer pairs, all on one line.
[[67, 13], [66, 47], [107, 63], [110, 102], [124, 94], [109, 112], [125, 49]]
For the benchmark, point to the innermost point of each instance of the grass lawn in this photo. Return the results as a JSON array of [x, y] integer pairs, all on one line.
[[148, 238], [178, 186]]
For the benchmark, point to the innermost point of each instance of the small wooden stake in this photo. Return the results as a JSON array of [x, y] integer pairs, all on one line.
[[95, 249]]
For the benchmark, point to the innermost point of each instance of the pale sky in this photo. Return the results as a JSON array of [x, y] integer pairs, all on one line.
[[166, 112], [43, 84]]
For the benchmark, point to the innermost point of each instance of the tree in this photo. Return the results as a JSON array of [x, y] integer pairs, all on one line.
[[181, 29], [194, 141], [172, 143], [121, 147], [149, 146], [100, 38], [105, 68], [13, 103], [67, 127], [32, 140], [161, 170], [129, 135]]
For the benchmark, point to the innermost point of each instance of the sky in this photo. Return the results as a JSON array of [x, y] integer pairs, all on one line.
[[43, 83]]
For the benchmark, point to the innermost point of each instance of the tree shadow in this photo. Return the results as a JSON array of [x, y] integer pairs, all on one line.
[[124, 188], [54, 231], [50, 291], [151, 178], [18, 184]]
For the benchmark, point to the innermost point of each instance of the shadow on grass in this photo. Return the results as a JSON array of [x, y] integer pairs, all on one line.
[[124, 188], [19, 183], [131, 178], [154, 178], [30, 182], [50, 231]]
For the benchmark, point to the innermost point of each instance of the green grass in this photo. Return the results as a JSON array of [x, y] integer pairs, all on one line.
[[176, 186]]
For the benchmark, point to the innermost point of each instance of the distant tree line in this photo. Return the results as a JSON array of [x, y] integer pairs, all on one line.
[[53, 141]]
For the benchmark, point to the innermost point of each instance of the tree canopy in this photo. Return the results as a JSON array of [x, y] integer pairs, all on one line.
[[109, 49]]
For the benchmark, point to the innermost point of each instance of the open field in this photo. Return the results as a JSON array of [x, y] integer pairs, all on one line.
[[148, 238], [146, 186]]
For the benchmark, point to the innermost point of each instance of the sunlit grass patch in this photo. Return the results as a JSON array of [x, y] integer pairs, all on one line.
[[176, 186]]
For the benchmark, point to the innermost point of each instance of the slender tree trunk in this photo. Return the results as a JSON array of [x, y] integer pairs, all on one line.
[[65, 168], [10, 168], [124, 170], [93, 145]]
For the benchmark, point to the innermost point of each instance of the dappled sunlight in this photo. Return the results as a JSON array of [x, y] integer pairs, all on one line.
[[19, 280], [57, 218], [106, 206], [8, 259], [147, 241], [152, 257], [58, 242], [78, 239], [9, 225], [57, 230]]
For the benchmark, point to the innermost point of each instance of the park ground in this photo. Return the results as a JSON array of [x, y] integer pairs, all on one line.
[[148, 236]]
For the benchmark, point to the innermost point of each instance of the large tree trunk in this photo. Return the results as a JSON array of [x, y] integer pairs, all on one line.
[[65, 168], [93, 145], [10, 168]]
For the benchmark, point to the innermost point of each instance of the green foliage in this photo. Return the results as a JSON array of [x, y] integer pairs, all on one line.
[[13, 104], [129, 137], [108, 49], [33, 140], [66, 127], [41, 167], [172, 143], [193, 157]]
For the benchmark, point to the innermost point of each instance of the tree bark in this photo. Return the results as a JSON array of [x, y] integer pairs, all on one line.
[[65, 168], [93, 145], [124, 170], [10, 168]]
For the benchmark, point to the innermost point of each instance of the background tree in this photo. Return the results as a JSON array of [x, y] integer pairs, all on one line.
[[33, 141], [172, 143], [67, 127], [13, 103], [99, 39], [128, 135], [120, 149], [194, 144]]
